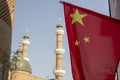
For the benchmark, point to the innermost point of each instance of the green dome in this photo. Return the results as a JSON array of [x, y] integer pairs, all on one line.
[[20, 64]]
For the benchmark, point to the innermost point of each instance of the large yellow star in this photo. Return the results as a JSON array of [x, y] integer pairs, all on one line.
[[86, 39], [77, 17], [77, 43]]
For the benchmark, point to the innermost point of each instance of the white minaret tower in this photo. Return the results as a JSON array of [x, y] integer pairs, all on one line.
[[59, 51], [26, 43]]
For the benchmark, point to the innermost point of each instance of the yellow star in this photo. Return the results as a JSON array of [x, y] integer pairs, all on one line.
[[86, 39], [77, 43], [77, 17]]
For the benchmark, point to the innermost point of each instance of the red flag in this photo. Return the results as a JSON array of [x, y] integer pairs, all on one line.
[[94, 42]]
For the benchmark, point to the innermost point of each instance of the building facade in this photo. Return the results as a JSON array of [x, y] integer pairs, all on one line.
[[6, 23], [115, 8]]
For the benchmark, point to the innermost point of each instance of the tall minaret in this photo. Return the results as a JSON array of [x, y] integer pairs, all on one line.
[[26, 43], [59, 51]]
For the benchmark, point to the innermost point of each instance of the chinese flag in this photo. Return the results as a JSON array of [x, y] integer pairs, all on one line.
[[94, 43]]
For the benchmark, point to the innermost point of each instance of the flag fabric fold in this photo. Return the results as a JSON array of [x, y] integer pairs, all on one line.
[[94, 43]]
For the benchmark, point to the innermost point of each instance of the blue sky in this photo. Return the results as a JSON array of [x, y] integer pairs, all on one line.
[[40, 18]]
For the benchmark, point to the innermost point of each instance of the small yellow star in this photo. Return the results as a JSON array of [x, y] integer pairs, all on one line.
[[77, 17], [77, 43], [86, 39]]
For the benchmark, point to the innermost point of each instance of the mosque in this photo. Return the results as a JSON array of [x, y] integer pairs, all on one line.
[[20, 68]]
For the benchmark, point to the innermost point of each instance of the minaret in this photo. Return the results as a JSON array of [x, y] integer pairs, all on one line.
[[19, 66], [26, 43], [59, 51]]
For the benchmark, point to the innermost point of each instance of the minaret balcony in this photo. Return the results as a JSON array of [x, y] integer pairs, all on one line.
[[27, 42], [59, 51], [60, 73], [59, 31]]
